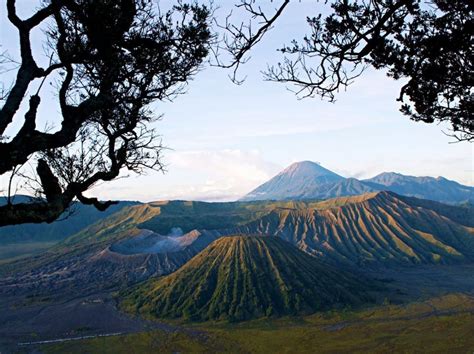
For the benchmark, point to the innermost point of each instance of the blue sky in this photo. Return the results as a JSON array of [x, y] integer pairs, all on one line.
[[224, 139]]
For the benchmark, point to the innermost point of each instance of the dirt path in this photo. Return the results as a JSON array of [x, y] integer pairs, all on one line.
[[50, 341]]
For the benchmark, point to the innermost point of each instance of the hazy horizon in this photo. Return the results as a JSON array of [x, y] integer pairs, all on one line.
[[233, 198]]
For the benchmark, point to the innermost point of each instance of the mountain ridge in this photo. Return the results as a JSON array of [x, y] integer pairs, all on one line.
[[378, 228], [307, 180]]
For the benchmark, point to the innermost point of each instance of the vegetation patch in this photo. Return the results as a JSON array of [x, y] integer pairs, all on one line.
[[243, 277]]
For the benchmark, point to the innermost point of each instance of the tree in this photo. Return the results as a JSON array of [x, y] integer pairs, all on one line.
[[427, 44], [112, 59]]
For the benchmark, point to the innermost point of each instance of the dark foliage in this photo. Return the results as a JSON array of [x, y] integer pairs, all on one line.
[[427, 45], [113, 59]]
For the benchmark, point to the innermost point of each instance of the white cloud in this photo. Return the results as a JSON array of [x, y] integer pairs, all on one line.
[[228, 174], [209, 175], [228, 163]]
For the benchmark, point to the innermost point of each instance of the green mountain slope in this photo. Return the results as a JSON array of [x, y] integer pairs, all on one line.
[[243, 277], [17, 241], [77, 249], [78, 217], [374, 228]]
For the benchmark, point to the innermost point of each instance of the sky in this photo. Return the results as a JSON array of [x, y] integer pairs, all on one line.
[[223, 140]]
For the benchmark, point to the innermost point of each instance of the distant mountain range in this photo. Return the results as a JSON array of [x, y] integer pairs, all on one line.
[[308, 180]]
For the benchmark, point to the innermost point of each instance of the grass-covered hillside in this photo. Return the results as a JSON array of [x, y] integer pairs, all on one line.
[[439, 325], [191, 215], [245, 277], [78, 217], [160, 217], [29, 239], [373, 229]]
